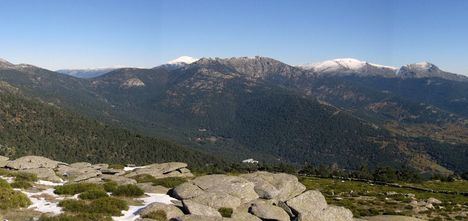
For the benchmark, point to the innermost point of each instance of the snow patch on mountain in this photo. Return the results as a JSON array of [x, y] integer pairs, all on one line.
[[183, 60]]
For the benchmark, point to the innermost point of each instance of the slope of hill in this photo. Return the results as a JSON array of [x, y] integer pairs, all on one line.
[[86, 73], [32, 127]]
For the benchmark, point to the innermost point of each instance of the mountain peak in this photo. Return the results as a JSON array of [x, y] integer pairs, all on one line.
[[183, 60], [348, 66], [5, 63]]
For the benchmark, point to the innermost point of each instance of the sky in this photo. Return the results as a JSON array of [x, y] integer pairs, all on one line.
[[57, 34]]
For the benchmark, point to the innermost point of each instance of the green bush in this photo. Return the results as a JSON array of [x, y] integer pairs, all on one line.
[[225, 212], [75, 188], [27, 177], [158, 215], [144, 178], [4, 184], [93, 194], [79, 217], [129, 190], [110, 186], [169, 182], [10, 199], [106, 206], [21, 184], [116, 166]]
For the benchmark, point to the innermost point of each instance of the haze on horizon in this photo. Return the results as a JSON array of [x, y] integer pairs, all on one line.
[[57, 34]]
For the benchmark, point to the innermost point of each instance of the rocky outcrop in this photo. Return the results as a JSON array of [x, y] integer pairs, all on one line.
[[44, 174], [171, 211], [172, 169], [3, 161], [32, 162], [269, 212], [279, 186], [195, 208]]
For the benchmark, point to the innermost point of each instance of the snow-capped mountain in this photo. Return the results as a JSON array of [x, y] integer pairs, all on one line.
[[178, 62], [425, 70], [349, 66], [5, 63], [86, 73]]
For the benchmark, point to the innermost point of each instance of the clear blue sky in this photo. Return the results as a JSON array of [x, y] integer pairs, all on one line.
[[144, 33]]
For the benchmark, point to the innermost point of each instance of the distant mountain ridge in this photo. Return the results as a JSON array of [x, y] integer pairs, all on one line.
[[86, 73], [262, 108], [350, 66]]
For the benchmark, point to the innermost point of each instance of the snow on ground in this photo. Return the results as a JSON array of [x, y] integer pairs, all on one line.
[[41, 203], [132, 168], [48, 183], [8, 179], [130, 214]]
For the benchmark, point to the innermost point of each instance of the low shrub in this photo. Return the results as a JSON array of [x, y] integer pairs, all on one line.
[[79, 217], [225, 212], [110, 186], [23, 176], [10, 199], [169, 182], [93, 194], [75, 188], [158, 215], [4, 184], [129, 190], [106, 206], [22, 184]]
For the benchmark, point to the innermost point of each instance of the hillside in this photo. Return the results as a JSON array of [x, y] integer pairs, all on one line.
[[30, 127]]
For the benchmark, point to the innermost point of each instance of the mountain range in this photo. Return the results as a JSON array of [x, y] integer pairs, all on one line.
[[344, 111]]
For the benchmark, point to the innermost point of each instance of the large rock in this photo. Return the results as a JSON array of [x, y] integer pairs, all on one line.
[[279, 186], [171, 211], [269, 212], [3, 161], [32, 162], [44, 174], [243, 216], [78, 172], [172, 169], [232, 185], [195, 208], [334, 213], [187, 190], [217, 200], [307, 202], [118, 179], [199, 218]]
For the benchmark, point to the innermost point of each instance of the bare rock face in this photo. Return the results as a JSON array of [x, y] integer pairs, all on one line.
[[311, 200], [217, 200], [3, 161], [172, 169], [311, 205], [199, 218], [44, 174], [149, 188], [32, 162], [187, 190], [171, 211], [279, 186], [232, 185], [195, 208], [118, 179], [269, 212]]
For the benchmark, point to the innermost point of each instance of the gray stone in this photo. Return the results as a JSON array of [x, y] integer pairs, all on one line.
[[217, 200], [199, 218], [334, 213], [269, 212], [118, 179], [86, 174], [307, 202], [232, 185], [243, 216], [80, 165], [187, 190], [44, 174], [171, 211], [433, 200], [3, 161], [161, 170], [195, 208], [149, 188], [32, 162], [279, 186], [392, 218]]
